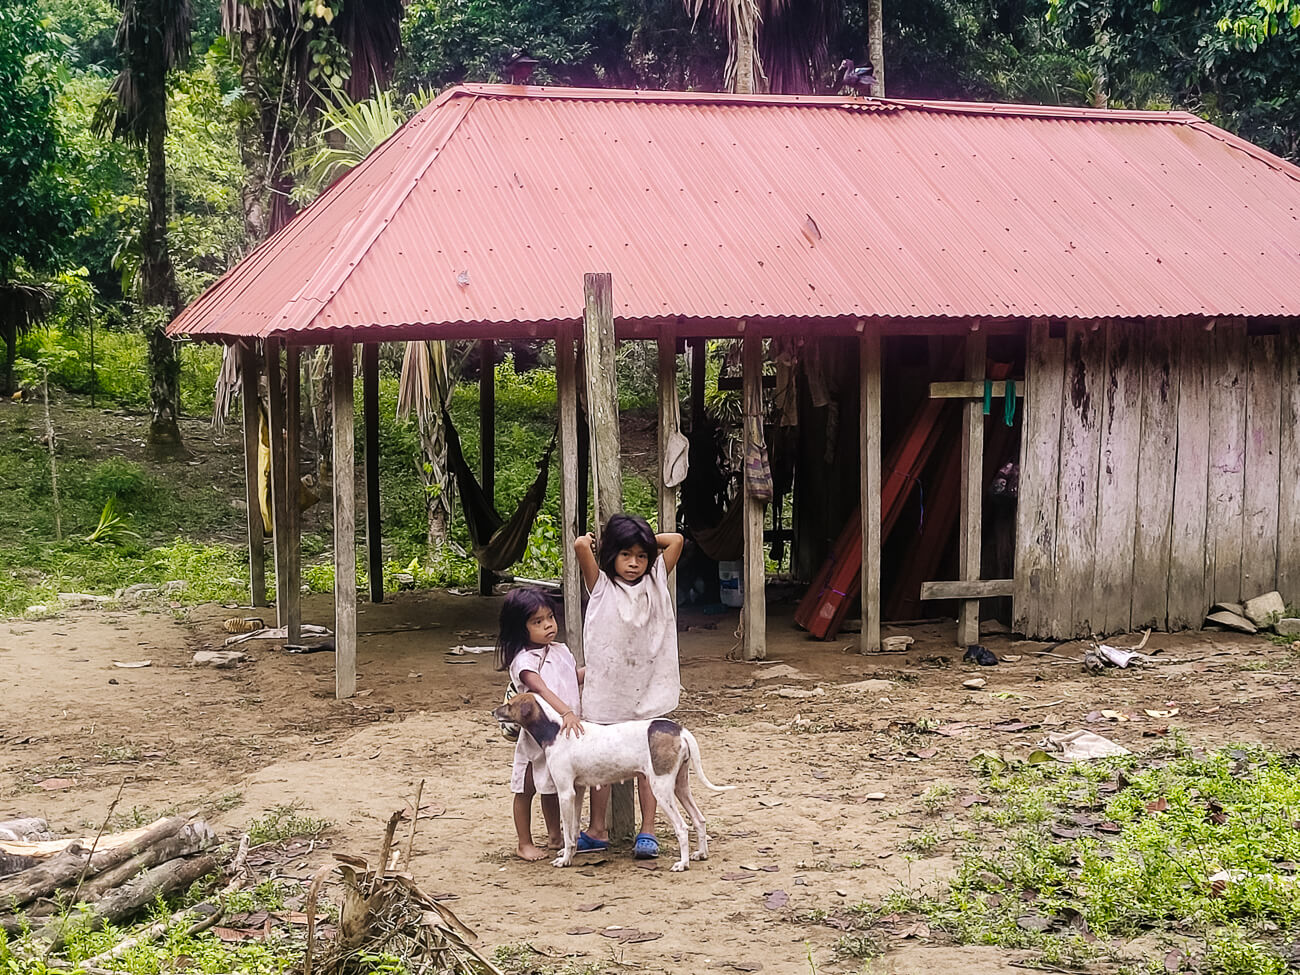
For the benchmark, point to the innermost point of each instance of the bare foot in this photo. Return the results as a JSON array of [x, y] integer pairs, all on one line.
[[554, 843], [527, 851]]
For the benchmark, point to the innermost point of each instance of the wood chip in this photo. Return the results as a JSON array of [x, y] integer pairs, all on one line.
[[577, 931], [776, 900], [589, 907]]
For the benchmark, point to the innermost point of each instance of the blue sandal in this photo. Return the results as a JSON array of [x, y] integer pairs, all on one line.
[[589, 844], [646, 848]]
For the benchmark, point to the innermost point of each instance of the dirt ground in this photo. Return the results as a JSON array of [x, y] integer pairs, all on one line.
[[812, 755]]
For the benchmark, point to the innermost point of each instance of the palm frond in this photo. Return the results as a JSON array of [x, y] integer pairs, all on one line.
[[349, 132]]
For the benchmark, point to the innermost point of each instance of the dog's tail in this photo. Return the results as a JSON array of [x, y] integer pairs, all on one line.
[[693, 748]]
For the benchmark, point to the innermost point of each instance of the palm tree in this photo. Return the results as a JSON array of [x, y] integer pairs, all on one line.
[[289, 52], [773, 45], [153, 37]]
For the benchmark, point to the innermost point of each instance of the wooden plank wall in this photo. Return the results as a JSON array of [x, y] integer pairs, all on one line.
[[1160, 472]]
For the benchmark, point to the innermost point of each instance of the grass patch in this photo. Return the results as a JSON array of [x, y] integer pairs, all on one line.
[[521, 959], [1196, 850], [282, 823]]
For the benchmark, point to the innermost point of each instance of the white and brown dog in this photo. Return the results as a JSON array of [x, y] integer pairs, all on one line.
[[662, 750]]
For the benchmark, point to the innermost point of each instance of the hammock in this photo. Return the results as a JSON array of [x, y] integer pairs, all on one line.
[[497, 543]]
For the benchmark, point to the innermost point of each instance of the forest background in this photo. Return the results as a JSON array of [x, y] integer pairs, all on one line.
[[137, 166]]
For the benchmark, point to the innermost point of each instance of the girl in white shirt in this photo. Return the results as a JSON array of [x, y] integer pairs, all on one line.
[[536, 663]]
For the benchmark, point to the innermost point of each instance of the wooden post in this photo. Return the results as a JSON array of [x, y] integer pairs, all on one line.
[[292, 599], [487, 411], [606, 464], [566, 387], [602, 396], [972, 478], [669, 412], [250, 369], [869, 487], [345, 527], [275, 422], [754, 608], [374, 528]]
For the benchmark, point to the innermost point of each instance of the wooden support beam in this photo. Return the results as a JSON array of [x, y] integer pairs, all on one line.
[[967, 590], [374, 526], [869, 487], [279, 493], [345, 527], [602, 396], [487, 439], [669, 414], [606, 463], [250, 371], [971, 522], [753, 610], [974, 389], [292, 599], [566, 387]]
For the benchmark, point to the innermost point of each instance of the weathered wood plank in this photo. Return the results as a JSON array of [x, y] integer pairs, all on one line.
[[1288, 528], [566, 386], [669, 419], [966, 389], [1074, 608], [971, 521], [487, 440], [1262, 475], [374, 524], [602, 395], [293, 490], [1040, 473], [964, 589], [1189, 595], [345, 527], [1121, 431], [1225, 508], [279, 483], [250, 370], [869, 481], [1158, 450], [754, 608]]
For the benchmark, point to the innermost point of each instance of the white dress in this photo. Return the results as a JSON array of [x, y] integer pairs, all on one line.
[[559, 672], [630, 642]]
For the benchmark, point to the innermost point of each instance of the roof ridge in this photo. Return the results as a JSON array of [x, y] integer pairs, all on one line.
[[1000, 109]]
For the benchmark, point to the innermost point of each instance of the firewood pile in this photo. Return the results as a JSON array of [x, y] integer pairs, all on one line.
[[59, 888], [111, 876]]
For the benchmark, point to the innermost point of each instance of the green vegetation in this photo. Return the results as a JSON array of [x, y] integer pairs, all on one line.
[[1194, 853], [282, 823]]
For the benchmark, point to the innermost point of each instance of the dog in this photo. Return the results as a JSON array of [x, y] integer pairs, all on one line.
[[660, 749]]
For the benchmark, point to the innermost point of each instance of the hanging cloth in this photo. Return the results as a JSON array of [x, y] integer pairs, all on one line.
[[497, 543]]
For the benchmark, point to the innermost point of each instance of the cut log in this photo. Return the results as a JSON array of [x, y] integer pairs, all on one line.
[[39, 845], [121, 903], [37, 882], [192, 838], [31, 829], [11, 863]]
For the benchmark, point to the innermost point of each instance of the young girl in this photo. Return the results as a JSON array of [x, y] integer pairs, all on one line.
[[527, 648], [630, 642]]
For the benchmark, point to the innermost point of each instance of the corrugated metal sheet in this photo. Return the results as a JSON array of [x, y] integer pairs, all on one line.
[[484, 212]]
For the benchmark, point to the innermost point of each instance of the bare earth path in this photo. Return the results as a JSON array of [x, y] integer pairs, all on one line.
[[804, 746]]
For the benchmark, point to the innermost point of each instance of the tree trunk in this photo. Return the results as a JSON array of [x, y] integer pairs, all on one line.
[[159, 286], [876, 44], [745, 81], [251, 144]]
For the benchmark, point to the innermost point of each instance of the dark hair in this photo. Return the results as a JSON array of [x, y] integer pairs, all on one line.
[[622, 532], [519, 606]]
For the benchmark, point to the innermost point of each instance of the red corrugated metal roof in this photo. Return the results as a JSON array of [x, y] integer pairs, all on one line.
[[482, 214]]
